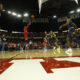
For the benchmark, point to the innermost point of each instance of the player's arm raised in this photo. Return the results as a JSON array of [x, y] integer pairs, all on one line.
[[75, 26], [63, 25]]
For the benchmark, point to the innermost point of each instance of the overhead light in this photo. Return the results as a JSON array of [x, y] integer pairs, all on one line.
[[9, 12], [26, 15], [19, 15], [3, 10], [78, 10], [14, 14], [54, 16], [71, 12], [3, 30]]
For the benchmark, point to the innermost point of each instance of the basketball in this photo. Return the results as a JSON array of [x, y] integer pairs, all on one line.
[[32, 16]]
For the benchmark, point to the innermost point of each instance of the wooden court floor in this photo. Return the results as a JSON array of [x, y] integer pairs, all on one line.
[[38, 53], [40, 65]]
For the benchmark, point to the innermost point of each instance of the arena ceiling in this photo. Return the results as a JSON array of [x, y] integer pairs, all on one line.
[[49, 9]]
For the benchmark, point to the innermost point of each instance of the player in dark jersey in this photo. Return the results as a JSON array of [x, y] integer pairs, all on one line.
[[53, 41], [2, 42], [71, 31]]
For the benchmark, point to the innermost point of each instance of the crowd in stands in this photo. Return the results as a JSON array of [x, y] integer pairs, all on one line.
[[12, 43]]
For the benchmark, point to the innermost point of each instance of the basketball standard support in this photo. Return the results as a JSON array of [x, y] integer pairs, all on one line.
[[40, 2], [76, 1]]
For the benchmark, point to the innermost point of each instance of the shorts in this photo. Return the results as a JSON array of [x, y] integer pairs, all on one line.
[[52, 41], [71, 32]]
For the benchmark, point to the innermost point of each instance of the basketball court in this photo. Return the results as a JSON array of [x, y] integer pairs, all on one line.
[[40, 65], [39, 39]]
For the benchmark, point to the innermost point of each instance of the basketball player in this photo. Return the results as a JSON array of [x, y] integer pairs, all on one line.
[[53, 41], [45, 41], [26, 31], [71, 31], [3, 42]]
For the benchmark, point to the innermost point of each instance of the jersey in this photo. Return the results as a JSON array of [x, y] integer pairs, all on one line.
[[71, 27], [52, 38], [71, 30]]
